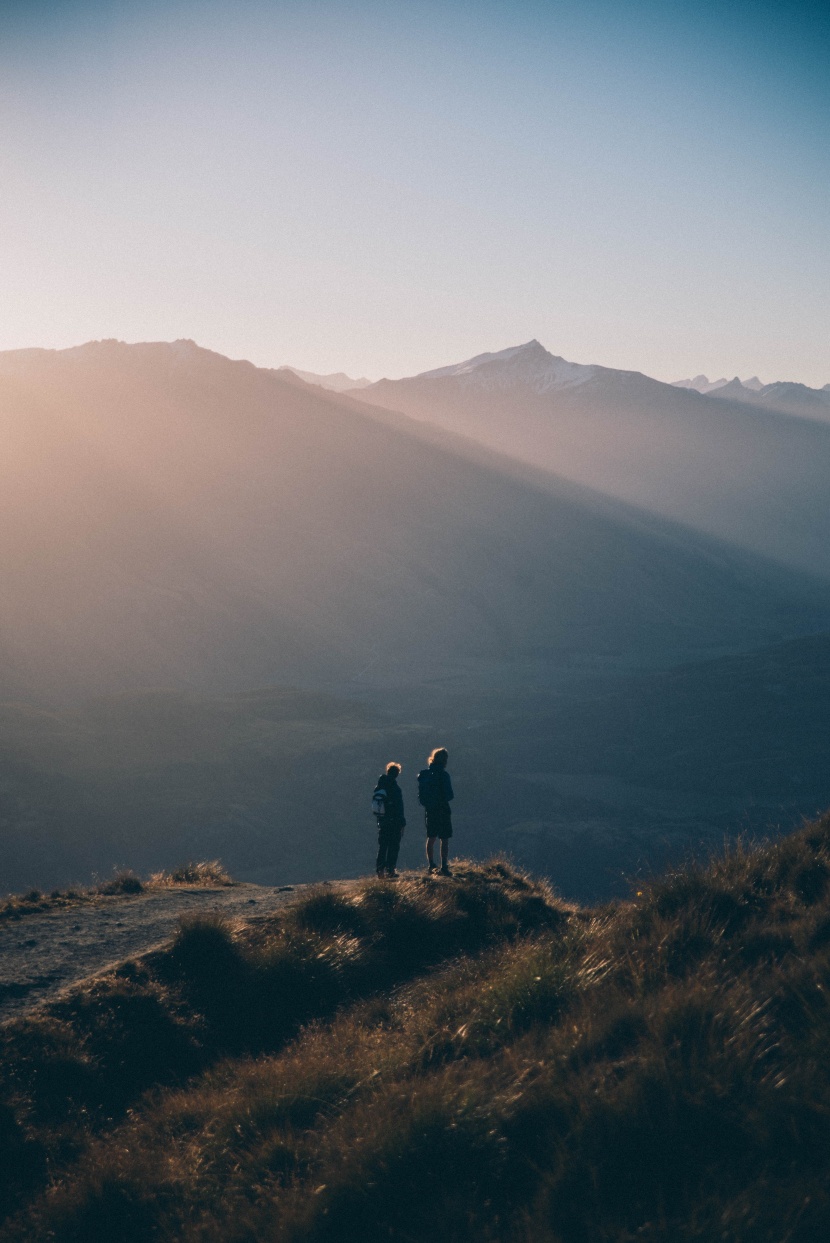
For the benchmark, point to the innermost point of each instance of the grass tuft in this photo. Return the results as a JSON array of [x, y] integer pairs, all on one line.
[[125, 883], [209, 873]]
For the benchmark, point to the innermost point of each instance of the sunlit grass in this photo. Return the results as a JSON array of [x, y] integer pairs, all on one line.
[[475, 1060]]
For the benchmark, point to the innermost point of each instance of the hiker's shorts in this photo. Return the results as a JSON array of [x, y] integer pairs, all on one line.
[[438, 822]]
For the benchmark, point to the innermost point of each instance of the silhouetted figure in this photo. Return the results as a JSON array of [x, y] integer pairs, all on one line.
[[391, 821], [434, 795]]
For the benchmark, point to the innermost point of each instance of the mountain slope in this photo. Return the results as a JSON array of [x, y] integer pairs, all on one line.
[[782, 395], [618, 777], [169, 517], [742, 470], [795, 399], [589, 781], [146, 780], [702, 384], [337, 381]]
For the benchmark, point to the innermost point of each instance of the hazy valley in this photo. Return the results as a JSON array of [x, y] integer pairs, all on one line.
[[344, 430], [231, 596]]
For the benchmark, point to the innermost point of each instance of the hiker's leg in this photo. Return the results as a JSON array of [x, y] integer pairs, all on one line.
[[431, 851], [393, 850], [382, 851], [445, 851]]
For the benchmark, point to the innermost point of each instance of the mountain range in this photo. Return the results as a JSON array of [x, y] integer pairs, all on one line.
[[702, 384], [797, 399], [782, 394], [738, 466], [173, 518], [337, 381]]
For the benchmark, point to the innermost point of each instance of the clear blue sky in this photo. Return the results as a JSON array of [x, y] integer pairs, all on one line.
[[386, 187]]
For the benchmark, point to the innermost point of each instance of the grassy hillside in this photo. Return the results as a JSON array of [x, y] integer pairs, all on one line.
[[430, 1061]]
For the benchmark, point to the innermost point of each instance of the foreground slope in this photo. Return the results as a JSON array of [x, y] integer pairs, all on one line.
[[48, 942], [170, 517], [737, 465], [658, 1069]]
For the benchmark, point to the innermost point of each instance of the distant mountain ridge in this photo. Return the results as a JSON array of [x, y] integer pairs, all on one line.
[[533, 365], [783, 395], [702, 384], [797, 399], [169, 517], [337, 381], [733, 461]]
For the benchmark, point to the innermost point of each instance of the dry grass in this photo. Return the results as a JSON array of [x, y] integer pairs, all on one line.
[[656, 1071], [72, 1071], [125, 882], [16, 906], [209, 873]]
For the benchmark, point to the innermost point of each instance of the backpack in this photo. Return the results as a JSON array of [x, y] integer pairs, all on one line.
[[379, 802], [430, 789]]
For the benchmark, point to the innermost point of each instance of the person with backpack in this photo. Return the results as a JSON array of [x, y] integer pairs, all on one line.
[[435, 794], [387, 807]]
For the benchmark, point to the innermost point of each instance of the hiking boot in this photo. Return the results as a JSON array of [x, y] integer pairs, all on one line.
[[392, 874], [432, 867], [445, 871]]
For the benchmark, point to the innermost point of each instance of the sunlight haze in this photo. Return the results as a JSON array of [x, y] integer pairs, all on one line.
[[380, 190]]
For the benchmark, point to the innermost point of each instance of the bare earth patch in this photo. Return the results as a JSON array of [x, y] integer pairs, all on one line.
[[44, 952]]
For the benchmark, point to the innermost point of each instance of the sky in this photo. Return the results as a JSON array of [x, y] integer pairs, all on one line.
[[383, 188]]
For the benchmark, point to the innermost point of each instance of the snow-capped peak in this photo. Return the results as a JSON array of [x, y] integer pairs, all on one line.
[[530, 365]]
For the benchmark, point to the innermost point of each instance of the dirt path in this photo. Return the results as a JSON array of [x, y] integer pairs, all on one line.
[[41, 954]]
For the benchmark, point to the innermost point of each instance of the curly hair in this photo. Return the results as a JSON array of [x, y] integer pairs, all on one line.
[[439, 756]]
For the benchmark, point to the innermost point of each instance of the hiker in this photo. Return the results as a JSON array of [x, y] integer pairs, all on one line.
[[434, 795], [387, 805]]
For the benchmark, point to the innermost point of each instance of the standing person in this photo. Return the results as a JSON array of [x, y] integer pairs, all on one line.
[[434, 795], [391, 821]]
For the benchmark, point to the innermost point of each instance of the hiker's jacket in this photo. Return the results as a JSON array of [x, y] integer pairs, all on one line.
[[394, 817], [443, 785]]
